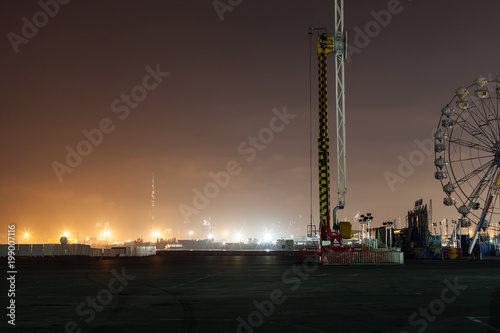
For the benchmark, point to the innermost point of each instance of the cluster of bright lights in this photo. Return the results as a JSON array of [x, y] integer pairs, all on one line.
[[268, 237]]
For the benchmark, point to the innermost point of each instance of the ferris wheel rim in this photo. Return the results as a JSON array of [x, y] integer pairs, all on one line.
[[472, 134]]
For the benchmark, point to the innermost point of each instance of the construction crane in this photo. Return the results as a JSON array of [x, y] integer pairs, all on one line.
[[337, 45]]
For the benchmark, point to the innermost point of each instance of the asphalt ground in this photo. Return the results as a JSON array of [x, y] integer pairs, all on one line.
[[197, 292]]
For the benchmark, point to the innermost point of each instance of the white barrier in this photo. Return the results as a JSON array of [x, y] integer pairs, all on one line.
[[140, 251], [49, 250]]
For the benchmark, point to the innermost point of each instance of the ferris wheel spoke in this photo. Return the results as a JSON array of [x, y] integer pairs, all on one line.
[[473, 100], [488, 129], [476, 217], [471, 158], [469, 144], [474, 173], [493, 114], [480, 120], [492, 134], [482, 132], [481, 186], [481, 111], [474, 131]]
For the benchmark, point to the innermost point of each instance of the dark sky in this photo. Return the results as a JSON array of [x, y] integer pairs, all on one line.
[[225, 79]]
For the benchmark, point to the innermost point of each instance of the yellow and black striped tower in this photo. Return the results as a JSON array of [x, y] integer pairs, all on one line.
[[325, 46]]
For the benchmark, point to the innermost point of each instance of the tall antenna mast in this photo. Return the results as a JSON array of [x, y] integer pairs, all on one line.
[[153, 224]]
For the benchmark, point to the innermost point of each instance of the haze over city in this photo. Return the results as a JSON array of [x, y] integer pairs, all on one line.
[[217, 104]]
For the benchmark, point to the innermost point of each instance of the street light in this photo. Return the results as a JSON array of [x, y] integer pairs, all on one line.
[[391, 231], [237, 237], [156, 235], [366, 220]]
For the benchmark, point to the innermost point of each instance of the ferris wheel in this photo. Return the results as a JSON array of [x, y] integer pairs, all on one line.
[[467, 155]]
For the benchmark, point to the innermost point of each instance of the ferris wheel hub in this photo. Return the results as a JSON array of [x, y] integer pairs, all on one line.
[[496, 161]]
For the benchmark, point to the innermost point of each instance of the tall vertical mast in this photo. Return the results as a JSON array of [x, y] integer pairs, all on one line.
[[337, 45], [153, 224], [340, 54], [325, 46]]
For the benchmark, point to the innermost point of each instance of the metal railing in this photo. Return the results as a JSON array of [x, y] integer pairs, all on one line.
[[363, 258]]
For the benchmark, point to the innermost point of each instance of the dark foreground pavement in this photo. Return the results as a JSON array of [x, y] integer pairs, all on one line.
[[203, 293]]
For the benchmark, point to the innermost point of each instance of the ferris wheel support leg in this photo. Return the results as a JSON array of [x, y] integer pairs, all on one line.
[[483, 218]]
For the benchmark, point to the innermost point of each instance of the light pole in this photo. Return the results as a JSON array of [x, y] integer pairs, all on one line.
[[366, 220], [361, 221], [454, 224], [391, 227], [385, 239], [441, 232]]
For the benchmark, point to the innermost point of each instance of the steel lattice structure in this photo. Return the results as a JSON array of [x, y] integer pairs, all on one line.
[[331, 44]]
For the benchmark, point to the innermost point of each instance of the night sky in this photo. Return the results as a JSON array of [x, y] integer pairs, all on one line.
[[168, 87]]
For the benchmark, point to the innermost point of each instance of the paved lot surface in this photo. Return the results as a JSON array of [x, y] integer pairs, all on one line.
[[205, 293]]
